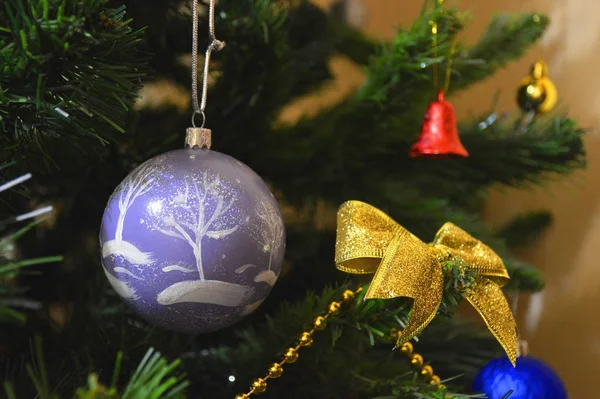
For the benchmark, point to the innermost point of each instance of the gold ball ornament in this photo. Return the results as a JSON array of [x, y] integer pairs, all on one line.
[[319, 323], [434, 380], [536, 92], [275, 371], [291, 355], [259, 386]]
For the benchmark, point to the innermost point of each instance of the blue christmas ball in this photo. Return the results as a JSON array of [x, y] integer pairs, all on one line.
[[192, 240], [530, 379]]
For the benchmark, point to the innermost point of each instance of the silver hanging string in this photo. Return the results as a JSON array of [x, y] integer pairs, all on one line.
[[216, 45]]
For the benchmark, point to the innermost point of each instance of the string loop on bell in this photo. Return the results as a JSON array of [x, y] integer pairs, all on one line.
[[435, 29]]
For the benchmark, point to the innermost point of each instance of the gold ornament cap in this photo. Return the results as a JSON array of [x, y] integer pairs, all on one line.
[[198, 138]]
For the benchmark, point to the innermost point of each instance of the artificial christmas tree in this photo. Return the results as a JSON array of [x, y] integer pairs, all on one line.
[[71, 71]]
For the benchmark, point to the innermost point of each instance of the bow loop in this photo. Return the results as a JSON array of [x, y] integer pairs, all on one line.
[[363, 235], [370, 242], [471, 251]]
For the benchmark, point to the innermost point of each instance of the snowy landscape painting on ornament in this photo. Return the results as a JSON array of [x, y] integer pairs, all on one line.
[[193, 240]]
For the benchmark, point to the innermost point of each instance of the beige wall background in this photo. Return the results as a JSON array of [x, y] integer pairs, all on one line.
[[562, 324]]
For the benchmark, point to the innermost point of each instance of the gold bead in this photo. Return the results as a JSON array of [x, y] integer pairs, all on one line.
[[242, 396], [348, 295], [427, 372], [291, 355], [319, 323], [275, 371], [434, 380], [259, 386], [334, 307], [442, 386], [306, 339], [416, 361], [394, 333], [407, 349]]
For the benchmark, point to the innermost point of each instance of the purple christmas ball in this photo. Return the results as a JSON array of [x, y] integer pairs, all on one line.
[[193, 240]]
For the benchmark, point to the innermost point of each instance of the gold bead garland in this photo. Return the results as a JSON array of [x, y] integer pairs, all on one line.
[[259, 385], [319, 323], [417, 362]]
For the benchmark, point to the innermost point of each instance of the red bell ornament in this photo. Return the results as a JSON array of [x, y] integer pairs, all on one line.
[[439, 136]]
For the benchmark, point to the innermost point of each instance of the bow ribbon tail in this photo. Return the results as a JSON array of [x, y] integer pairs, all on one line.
[[486, 296], [410, 268]]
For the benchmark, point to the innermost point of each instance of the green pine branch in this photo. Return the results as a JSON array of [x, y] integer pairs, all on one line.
[[523, 276], [505, 39], [11, 293], [368, 136], [353, 354], [553, 144], [71, 71], [524, 229], [154, 378], [352, 43]]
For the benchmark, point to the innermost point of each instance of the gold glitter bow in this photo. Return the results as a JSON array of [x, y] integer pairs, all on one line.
[[370, 242]]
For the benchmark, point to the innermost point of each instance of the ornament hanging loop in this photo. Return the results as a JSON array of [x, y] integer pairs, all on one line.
[[194, 118], [199, 137]]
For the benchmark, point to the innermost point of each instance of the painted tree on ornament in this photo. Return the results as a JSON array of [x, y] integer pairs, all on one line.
[[196, 215], [137, 184], [270, 238]]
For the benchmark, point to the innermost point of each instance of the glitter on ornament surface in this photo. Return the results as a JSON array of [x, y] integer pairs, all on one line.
[[193, 240]]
